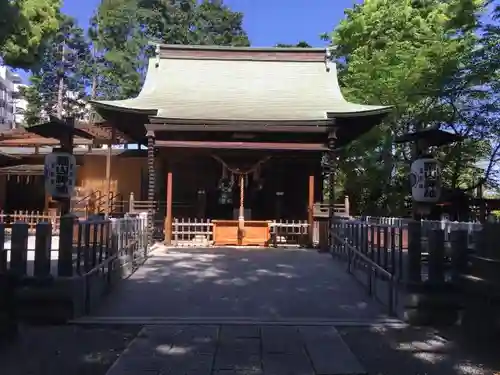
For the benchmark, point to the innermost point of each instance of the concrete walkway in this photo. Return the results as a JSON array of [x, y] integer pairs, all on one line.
[[228, 311], [233, 283]]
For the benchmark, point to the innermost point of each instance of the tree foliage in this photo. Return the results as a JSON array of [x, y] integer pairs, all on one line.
[[425, 58], [120, 30], [25, 25], [301, 44], [63, 71]]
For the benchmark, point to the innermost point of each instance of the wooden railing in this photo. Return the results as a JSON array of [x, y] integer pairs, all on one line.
[[88, 205], [323, 209], [192, 232], [289, 233]]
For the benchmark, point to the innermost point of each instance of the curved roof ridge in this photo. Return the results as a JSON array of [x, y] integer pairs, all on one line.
[[185, 47], [192, 88]]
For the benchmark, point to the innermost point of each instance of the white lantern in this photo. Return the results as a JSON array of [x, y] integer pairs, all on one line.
[[60, 174], [425, 180]]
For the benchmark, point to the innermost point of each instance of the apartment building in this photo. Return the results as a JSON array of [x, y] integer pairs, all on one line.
[[12, 104]]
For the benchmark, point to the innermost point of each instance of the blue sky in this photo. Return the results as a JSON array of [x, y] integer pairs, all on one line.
[[267, 21]]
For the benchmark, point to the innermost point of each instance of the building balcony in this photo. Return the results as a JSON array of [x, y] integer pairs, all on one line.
[[15, 78], [16, 95]]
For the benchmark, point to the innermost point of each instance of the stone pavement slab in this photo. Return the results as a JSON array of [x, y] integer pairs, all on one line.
[[329, 353], [242, 350], [241, 283]]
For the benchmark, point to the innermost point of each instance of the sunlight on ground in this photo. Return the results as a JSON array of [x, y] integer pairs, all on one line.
[[432, 350]]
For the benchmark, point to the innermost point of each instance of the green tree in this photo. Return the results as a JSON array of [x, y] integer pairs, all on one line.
[[25, 25], [58, 86], [418, 56], [118, 44], [120, 30]]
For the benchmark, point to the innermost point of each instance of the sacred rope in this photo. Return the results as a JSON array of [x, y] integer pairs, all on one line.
[[242, 174], [239, 171]]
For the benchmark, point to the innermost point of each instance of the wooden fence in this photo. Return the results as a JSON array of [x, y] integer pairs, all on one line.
[[55, 278], [199, 233], [289, 233], [192, 232], [442, 273], [32, 218]]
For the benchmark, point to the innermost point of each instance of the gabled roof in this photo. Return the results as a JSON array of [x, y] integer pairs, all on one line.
[[197, 83]]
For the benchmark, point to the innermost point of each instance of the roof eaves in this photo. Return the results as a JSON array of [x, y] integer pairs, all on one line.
[[361, 113], [121, 108]]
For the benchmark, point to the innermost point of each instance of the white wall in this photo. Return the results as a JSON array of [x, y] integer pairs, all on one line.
[[9, 84]]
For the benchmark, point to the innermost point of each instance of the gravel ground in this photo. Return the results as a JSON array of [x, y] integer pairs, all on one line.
[[65, 350], [413, 351]]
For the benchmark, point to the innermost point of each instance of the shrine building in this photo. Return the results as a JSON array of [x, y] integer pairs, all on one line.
[[240, 136]]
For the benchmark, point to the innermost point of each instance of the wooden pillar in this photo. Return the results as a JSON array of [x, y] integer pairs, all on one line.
[[310, 209], [67, 146], [108, 172], [168, 214], [45, 204], [151, 185], [347, 206], [241, 216], [332, 140]]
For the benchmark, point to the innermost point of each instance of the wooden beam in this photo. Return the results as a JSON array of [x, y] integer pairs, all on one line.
[[258, 128], [243, 145], [238, 123]]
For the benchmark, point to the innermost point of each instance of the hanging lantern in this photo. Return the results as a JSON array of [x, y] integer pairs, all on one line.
[[60, 174], [425, 179], [225, 191]]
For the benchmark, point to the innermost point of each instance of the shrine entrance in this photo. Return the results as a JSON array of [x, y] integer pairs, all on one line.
[[241, 132], [240, 191]]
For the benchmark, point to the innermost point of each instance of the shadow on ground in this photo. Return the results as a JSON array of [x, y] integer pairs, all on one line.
[[419, 351], [71, 350], [241, 283]]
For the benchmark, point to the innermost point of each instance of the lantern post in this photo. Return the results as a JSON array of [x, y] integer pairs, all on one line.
[[67, 143], [60, 164], [425, 171]]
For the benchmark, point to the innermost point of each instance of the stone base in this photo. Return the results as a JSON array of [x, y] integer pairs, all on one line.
[[481, 314], [431, 305], [8, 321], [481, 318], [57, 300]]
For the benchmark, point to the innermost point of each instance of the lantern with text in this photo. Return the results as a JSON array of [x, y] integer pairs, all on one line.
[[425, 180], [60, 174]]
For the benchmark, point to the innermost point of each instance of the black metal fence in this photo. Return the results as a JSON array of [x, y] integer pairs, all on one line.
[[373, 254], [49, 277], [442, 272]]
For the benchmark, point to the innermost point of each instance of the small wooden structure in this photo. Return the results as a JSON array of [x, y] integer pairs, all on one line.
[[236, 135], [102, 179]]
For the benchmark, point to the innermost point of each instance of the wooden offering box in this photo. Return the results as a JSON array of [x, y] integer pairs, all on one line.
[[255, 233]]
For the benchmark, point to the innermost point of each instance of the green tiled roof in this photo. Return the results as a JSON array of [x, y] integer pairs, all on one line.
[[188, 88]]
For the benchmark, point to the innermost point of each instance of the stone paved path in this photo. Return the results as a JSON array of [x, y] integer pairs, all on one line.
[[241, 283], [245, 350]]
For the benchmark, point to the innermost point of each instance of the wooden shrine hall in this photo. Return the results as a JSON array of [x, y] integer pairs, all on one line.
[[237, 135]]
